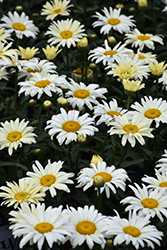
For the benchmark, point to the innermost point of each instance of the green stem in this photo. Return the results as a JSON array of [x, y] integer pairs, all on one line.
[[128, 102], [104, 143], [123, 155]]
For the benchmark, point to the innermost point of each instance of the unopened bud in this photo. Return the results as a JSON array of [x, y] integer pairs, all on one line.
[[19, 8], [92, 65], [37, 151], [81, 138], [119, 6], [98, 181], [142, 3], [32, 102], [47, 104], [62, 101], [111, 40], [83, 43], [95, 159]]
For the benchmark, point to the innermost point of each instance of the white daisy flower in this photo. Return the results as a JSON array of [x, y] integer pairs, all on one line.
[[132, 128], [68, 125], [112, 19], [25, 191], [50, 225], [39, 84], [112, 178], [14, 62], [147, 201], [152, 109], [51, 178], [88, 225], [21, 25], [80, 94], [66, 32], [108, 112], [14, 133], [162, 162], [5, 35], [6, 53], [55, 8], [163, 80], [35, 65], [136, 230], [129, 68], [3, 72], [138, 39], [148, 56], [159, 182], [107, 54]]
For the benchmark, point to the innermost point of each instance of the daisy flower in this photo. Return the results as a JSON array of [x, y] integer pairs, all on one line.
[[68, 125], [112, 19], [3, 72], [138, 39], [129, 68], [14, 62], [106, 54], [14, 133], [79, 94], [136, 230], [50, 178], [108, 112], [28, 52], [81, 74], [88, 225], [132, 86], [111, 178], [148, 56], [39, 84], [162, 162], [152, 109], [157, 69], [25, 191], [151, 202], [51, 52], [66, 32], [55, 8], [132, 128], [45, 224], [159, 182], [6, 53], [21, 25], [163, 80], [35, 65], [4, 35]]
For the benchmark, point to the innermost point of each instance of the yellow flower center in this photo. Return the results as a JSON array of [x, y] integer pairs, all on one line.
[[44, 227], [42, 84], [21, 196], [81, 93], [133, 231], [57, 11], [149, 203], [47, 180], [71, 126], [1, 51], [152, 113], [66, 34], [130, 128], [19, 26], [106, 177], [141, 57], [163, 184], [14, 136], [114, 21], [143, 37], [86, 227], [110, 53], [34, 70], [112, 113]]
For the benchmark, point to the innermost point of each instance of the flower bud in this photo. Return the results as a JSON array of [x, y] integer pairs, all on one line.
[[83, 43], [98, 181], [119, 6], [32, 102], [92, 65], [47, 104], [111, 40], [19, 8], [95, 159], [37, 151], [142, 3], [62, 101], [81, 138]]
